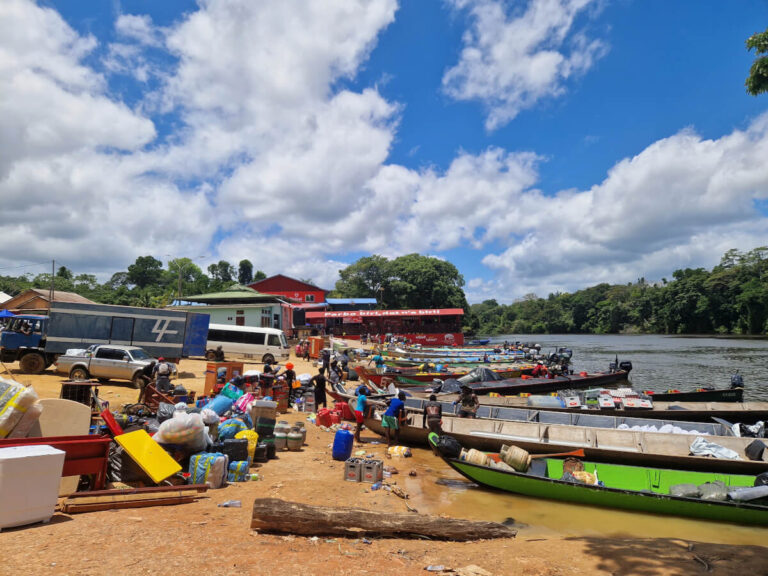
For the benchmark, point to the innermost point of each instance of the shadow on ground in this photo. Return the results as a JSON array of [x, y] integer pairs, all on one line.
[[674, 557]]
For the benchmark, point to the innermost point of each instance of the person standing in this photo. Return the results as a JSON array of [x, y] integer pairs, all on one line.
[[362, 400], [390, 421], [305, 350], [378, 360], [468, 403], [162, 374], [433, 414], [318, 381]]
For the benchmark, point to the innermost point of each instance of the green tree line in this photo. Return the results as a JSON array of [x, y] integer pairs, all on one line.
[[732, 298], [145, 283]]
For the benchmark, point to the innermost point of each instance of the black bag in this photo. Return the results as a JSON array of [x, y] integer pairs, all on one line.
[[448, 447], [236, 449], [165, 411], [761, 479], [755, 450]]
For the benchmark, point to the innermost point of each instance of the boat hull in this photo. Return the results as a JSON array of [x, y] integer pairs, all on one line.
[[615, 446], [551, 489]]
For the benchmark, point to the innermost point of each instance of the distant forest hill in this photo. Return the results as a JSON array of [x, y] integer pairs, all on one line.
[[732, 298]]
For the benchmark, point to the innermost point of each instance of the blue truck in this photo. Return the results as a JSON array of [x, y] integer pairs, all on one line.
[[36, 341]]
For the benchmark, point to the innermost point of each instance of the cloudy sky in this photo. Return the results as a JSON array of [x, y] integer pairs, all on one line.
[[538, 145]]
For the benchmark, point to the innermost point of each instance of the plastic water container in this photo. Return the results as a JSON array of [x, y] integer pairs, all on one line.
[[343, 443], [295, 440], [281, 441], [29, 484]]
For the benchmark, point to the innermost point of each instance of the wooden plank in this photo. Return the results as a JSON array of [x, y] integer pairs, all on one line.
[[275, 515], [76, 508], [143, 490]]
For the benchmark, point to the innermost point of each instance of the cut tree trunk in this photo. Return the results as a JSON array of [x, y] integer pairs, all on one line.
[[274, 515]]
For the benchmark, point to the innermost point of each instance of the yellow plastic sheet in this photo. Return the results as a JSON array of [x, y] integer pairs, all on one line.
[[148, 454]]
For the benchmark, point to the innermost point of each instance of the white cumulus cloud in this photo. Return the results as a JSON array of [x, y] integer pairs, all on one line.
[[513, 57]]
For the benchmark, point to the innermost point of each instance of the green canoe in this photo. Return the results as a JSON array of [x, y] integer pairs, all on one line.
[[626, 487]]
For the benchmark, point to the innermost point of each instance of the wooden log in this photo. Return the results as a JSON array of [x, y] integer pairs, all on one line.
[[275, 515]]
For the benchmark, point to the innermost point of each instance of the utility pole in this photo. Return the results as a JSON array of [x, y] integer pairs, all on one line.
[[50, 293]]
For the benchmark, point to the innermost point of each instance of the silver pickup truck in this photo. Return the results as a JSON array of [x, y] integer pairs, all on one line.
[[105, 362]]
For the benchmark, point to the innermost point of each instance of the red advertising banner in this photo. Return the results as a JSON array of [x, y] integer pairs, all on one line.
[[385, 313]]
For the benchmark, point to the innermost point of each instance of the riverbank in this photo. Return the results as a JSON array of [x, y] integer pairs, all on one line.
[[552, 538]]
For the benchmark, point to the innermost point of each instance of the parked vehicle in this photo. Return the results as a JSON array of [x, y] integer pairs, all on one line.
[[264, 344], [105, 362], [36, 341]]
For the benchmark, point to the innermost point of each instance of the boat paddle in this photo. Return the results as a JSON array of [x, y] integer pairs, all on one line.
[[576, 454]]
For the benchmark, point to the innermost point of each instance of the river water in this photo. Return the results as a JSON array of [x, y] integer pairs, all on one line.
[[659, 363], [667, 362]]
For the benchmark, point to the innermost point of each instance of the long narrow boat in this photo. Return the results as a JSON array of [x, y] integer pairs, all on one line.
[[626, 487], [699, 395], [539, 385], [414, 376], [745, 412], [602, 444]]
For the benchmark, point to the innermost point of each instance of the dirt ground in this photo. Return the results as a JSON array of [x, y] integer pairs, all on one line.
[[205, 539]]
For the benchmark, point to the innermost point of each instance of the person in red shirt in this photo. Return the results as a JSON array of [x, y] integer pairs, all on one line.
[[539, 371]]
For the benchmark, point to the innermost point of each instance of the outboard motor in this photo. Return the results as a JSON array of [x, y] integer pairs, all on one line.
[[737, 381], [626, 365]]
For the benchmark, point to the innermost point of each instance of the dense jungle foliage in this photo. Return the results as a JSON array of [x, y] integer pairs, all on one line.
[[732, 298]]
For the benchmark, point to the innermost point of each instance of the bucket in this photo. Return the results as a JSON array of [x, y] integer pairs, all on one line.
[[281, 441], [516, 457], [295, 440]]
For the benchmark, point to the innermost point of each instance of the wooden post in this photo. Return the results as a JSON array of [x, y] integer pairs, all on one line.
[[275, 515]]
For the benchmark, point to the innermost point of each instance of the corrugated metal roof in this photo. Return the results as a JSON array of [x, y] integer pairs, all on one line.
[[236, 292]]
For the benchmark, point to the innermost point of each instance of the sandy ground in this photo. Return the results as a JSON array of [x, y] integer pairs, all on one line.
[[203, 538]]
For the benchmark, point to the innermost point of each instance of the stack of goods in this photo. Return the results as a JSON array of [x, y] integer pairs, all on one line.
[[18, 409]]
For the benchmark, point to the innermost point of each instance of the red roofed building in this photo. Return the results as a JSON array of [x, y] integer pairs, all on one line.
[[290, 289]]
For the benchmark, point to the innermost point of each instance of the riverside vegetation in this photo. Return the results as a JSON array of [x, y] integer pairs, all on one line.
[[732, 298]]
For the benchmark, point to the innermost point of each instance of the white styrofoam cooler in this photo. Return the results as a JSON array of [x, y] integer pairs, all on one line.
[[29, 484]]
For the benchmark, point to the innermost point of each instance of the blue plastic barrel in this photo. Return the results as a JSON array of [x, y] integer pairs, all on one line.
[[342, 445]]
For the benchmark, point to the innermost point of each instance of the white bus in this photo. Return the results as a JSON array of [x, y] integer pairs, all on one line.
[[266, 344]]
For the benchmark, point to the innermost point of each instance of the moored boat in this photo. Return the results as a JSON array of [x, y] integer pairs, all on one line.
[[598, 436], [627, 487]]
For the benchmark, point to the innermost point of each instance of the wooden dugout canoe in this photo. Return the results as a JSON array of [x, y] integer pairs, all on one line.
[[629, 447]]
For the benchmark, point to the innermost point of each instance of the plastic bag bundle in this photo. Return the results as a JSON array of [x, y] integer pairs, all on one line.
[[244, 402], [15, 400], [28, 420], [701, 447], [231, 391], [253, 440], [685, 490], [208, 468], [238, 471], [185, 430], [220, 404], [713, 491], [165, 411], [229, 428], [209, 417], [748, 493]]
